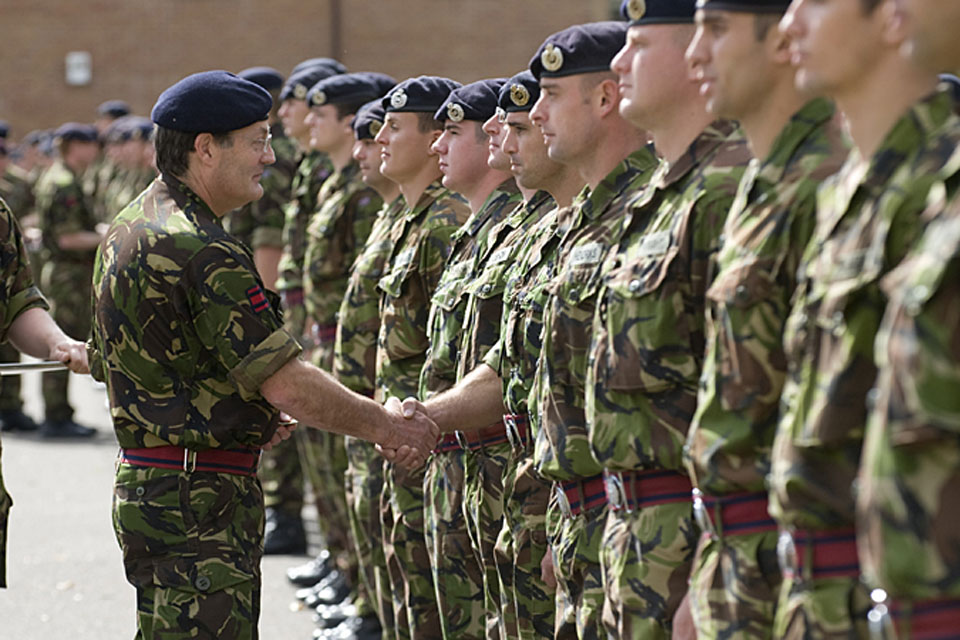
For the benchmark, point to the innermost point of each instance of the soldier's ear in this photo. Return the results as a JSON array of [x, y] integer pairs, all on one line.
[[205, 147]]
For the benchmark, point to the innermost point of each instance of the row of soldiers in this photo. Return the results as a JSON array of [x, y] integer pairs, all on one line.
[[691, 343], [678, 295], [62, 184], [704, 381]]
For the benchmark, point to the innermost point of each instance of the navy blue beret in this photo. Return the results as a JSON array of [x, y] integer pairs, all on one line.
[[267, 77], [952, 82], [475, 101], [369, 120], [582, 48], [129, 128], [519, 93], [350, 88], [334, 65], [300, 82], [34, 137], [423, 94], [4, 129], [640, 12], [211, 102], [114, 108], [76, 131], [746, 6]]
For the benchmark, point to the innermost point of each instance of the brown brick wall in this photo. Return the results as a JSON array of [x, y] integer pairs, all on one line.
[[139, 47]]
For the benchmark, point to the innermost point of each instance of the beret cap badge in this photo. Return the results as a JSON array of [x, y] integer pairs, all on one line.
[[501, 115], [636, 9], [519, 95], [398, 99], [551, 58], [375, 127], [455, 112], [319, 98], [300, 92]]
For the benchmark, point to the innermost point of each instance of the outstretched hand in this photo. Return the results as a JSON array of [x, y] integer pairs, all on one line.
[[71, 353], [413, 436]]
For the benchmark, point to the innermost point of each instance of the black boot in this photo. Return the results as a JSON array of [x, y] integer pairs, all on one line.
[[283, 534]]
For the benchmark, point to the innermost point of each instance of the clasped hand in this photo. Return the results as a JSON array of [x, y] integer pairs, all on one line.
[[414, 434]]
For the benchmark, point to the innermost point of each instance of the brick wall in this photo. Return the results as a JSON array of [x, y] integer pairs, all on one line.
[[139, 47]]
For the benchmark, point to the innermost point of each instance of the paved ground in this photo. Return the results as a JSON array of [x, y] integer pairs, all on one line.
[[64, 570]]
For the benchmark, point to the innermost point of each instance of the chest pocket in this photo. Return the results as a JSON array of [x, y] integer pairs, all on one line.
[[453, 285], [646, 344], [404, 309], [329, 237]]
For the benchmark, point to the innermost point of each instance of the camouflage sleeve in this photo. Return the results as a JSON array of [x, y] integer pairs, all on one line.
[[494, 357], [66, 213], [18, 293], [233, 317]]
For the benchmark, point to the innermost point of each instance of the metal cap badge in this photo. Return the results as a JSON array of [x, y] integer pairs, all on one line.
[[300, 92], [551, 58], [519, 95], [636, 9], [398, 99], [455, 112]]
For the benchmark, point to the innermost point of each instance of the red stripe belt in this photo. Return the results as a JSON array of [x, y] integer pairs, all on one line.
[[577, 496], [734, 514], [518, 429], [629, 490], [935, 619], [447, 443], [292, 297], [493, 435], [242, 462], [831, 553], [325, 333]]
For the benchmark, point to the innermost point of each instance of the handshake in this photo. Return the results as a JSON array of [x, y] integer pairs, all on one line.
[[412, 436]]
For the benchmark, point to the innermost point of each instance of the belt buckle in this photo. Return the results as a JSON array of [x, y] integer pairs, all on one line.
[[700, 514], [513, 434], [562, 501], [787, 555], [616, 495], [189, 460], [879, 620]]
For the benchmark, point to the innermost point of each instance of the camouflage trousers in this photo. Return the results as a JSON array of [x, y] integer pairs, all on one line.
[[457, 574], [191, 544], [282, 476], [483, 510], [324, 461], [364, 484], [822, 609], [520, 547], [647, 555], [575, 545], [734, 586], [408, 563], [5, 503], [68, 286], [10, 385]]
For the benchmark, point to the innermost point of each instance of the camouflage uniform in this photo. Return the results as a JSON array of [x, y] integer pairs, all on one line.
[[455, 562], [185, 336], [911, 448], [735, 578], [282, 469], [561, 451], [421, 244], [530, 259], [641, 384], [260, 223], [125, 185], [868, 217], [17, 294], [66, 275], [16, 188], [354, 365], [335, 235]]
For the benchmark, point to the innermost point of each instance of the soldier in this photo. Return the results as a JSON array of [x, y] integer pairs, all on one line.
[[501, 344], [283, 469], [28, 326], [70, 239], [195, 359], [742, 63], [260, 223], [910, 456], [335, 235], [646, 355], [104, 171], [421, 243], [577, 114], [868, 217], [131, 138], [355, 350], [462, 149]]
